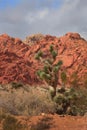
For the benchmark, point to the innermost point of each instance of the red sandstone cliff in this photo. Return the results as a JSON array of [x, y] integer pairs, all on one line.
[[17, 62]]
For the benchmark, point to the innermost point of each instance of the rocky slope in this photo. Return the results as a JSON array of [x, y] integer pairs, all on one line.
[[17, 59], [14, 66]]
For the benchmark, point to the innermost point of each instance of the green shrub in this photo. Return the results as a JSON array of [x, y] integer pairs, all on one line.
[[51, 91], [71, 101], [11, 123]]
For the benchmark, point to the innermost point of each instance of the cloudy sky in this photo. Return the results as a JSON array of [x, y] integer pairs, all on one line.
[[20, 18]]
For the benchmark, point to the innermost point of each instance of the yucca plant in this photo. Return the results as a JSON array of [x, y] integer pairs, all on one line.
[[50, 71]]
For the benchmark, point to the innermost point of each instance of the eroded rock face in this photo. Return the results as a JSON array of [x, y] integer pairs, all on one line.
[[17, 59], [14, 66]]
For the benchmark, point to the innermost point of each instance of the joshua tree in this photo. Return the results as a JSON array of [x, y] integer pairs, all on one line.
[[50, 71]]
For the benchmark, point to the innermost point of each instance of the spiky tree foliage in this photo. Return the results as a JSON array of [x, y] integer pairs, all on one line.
[[63, 78], [50, 71]]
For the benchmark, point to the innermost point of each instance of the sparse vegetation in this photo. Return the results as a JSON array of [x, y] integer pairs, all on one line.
[[74, 80], [3, 113], [85, 81], [43, 124], [29, 101], [16, 85], [71, 101], [11, 123], [63, 78], [32, 39]]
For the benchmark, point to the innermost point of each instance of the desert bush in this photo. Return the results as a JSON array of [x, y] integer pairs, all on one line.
[[32, 39], [38, 104], [36, 100], [30, 101], [43, 124], [71, 101], [81, 102], [2, 116], [16, 85], [11, 123], [3, 113]]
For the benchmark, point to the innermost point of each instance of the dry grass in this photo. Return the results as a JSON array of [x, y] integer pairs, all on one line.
[[26, 100]]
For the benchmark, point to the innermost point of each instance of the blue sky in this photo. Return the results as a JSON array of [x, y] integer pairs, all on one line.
[[12, 3], [5, 3], [20, 18]]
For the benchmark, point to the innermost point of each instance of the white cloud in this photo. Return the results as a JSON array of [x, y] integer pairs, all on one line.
[[33, 16], [42, 14]]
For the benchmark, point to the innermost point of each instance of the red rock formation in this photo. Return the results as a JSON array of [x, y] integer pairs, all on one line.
[[13, 64], [17, 62]]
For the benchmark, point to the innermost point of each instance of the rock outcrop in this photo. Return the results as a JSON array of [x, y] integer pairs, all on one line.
[[17, 59]]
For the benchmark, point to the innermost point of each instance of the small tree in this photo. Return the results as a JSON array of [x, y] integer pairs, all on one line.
[[50, 71]]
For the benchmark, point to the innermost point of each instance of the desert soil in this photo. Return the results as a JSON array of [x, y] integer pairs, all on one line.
[[57, 122]]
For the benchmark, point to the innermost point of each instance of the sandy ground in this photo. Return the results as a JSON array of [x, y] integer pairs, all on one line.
[[58, 122], [68, 123]]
